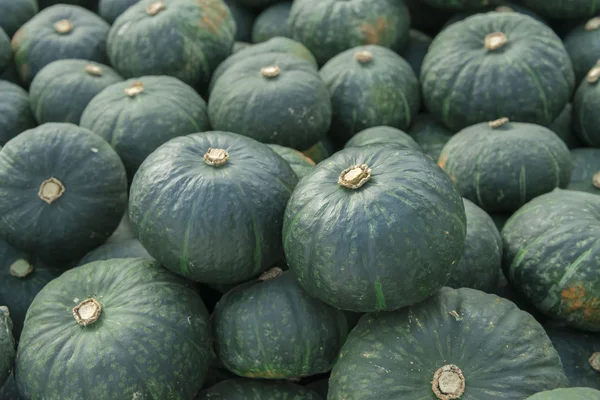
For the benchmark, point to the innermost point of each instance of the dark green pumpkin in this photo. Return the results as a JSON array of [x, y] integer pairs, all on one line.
[[301, 164], [573, 393], [7, 345], [552, 256], [585, 105], [416, 49], [133, 330], [15, 112], [186, 39], [5, 51], [138, 115], [56, 33], [271, 329], [582, 44], [370, 86], [382, 135], [15, 13], [564, 9], [110, 10], [500, 6], [131, 248], [320, 151], [429, 134], [253, 389], [272, 22], [458, 4], [63, 191], [10, 391], [244, 20], [62, 89], [496, 65], [586, 170], [457, 340], [388, 208], [212, 216], [273, 98], [563, 127], [501, 165], [330, 27]]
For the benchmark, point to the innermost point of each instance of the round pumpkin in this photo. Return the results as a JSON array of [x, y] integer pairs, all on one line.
[[138, 115], [110, 10], [63, 191], [457, 344], [244, 20], [210, 206], [416, 49], [583, 48], [181, 38], [509, 292], [457, 4], [133, 330], [573, 393], [15, 112], [15, 13], [496, 65], [330, 27], [586, 170], [301, 164], [370, 86], [564, 9], [429, 134], [237, 46], [563, 127], [272, 22], [7, 345], [501, 165], [270, 328], [131, 248], [552, 256], [59, 32], [388, 208], [62, 89], [585, 103], [273, 98], [382, 135], [254, 389], [500, 6]]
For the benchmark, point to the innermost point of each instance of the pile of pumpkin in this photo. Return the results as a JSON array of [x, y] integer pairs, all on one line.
[[308, 200]]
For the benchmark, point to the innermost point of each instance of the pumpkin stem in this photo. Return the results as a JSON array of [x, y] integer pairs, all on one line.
[[155, 8], [136, 88], [63, 26], [355, 176], [594, 74], [271, 71], [498, 122], [216, 157], [363, 56], [504, 9], [592, 24], [94, 70], [270, 274], [448, 382], [21, 268], [594, 361], [87, 312], [495, 40], [50, 190], [596, 180]]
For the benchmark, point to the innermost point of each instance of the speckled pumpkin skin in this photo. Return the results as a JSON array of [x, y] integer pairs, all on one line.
[[585, 115], [15, 112], [564, 9], [586, 164], [382, 135], [395, 355], [301, 164], [429, 134], [7, 345], [15, 13], [254, 389], [272, 22], [552, 255], [573, 393]]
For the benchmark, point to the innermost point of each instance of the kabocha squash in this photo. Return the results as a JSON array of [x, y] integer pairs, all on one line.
[[382, 135], [63, 191], [586, 170], [320, 151], [7, 345], [429, 134], [110, 10], [134, 330], [210, 206], [585, 105], [131, 248], [500, 6], [384, 207], [254, 389], [509, 292], [501, 165], [15, 13], [416, 50], [272, 22], [458, 4], [273, 98], [182, 38], [244, 20], [62, 89], [552, 256], [56, 33], [15, 112], [573, 393], [271, 329], [329, 27], [370, 86], [583, 48], [564, 9], [5, 51], [563, 127], [441, 349], [301, 164], [138, 115], [496, 65]]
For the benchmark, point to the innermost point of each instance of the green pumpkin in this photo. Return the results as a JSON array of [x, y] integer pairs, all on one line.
[[388, 208], [457, 344], [382, 135], [429, 134], [563, 127], [5, 51], [244, 20], [552, 256], [7, 345], [586, 170], [496, 65], [370, 86], [15, 112], [131, 248], [501, 165], [301, 164], [585, 104], [110, 10], [56, 33], [63, 191], [273, 98], [15, 13], [238, 46], [583, 48], [124, 231], [254, 389], [62, 89], [186, 39], [416, 49], [253, 325], [508, 292], [133, 330], [138, 115], [222, 222], [330, 27], [573, 393], [10, 391], [500, 6], [272, 22], [457, 4], [320, 151], [564, 9]]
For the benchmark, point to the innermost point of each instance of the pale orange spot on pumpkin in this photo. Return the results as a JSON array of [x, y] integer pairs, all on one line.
[[372, 32], [218, 14], [573, 299], [443, 161]]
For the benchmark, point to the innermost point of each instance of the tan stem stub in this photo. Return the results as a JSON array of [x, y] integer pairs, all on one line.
[[216, 157], [135, 89], [155, 8], [448, 382], [495, 40], [87, 312], [271, 71], [596, 180], [63, 26], [21, 268], [592, 24], [594, 74], [93, 70], [355, 176], [595, 361], [363, 56], [270, 274], [51, 190], [497, 123]]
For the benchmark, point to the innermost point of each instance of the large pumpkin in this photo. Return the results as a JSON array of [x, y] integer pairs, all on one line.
[[585, 104], [382, 135], [133, 330], [15, 13], [496, 65], [131, 248], [255, 389], [573, 393], [301, 164], [583, 48], [7, 345], [63, 191], [586, 170], [111, 9], [388, 208], [15, 111], [210, 206], [564, 9], [272, 22], [429, 134]]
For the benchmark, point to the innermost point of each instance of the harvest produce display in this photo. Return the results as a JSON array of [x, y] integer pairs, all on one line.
[[299, 200]]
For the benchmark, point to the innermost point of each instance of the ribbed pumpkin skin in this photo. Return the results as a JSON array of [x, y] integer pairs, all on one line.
[[464, 327], [109, 10], [15, 112], [582, 44], [254, 389], [292, 109], [500, 169], [38, 43], [7, 345], [564, 9], [131, 248], [416, 49], [89, 210], [301, 164], [330, 27], [586, 164], [272, 22], [244, 20], [382, 91], [585, 116], [212, 224], [62, 89], [563, 127], [187, 40], [573, 393], [272, 329], [529, 79], [15, 13], [429, 134], [152, 336], [382, 135], [136, 125], [552, 256], [331, 232], [457, 4]]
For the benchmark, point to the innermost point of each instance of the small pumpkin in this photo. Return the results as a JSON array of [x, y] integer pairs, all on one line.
[[256, 389], [582, 45], [573, 393], [15, 112], [585, 103], [110, 10], [563, 127], [586, 170], [15, 13], [564, 9], [301, 164], [131, 248], [429, 134], [382, 135], [416, 49], [272, 22], [244, 20], [7, 345]]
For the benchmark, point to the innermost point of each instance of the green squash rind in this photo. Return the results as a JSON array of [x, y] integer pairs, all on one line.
[[573, 393], [5, 51], [564, 9], [429, 134], [15, 112], [583, 48], [15, 13], [382, 135], [563, 127], [585, 117], [272, 22], [586, 164], [7, 345], [131, 248], [301, 164], [499, 6], [110, 10], [254, 389]]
